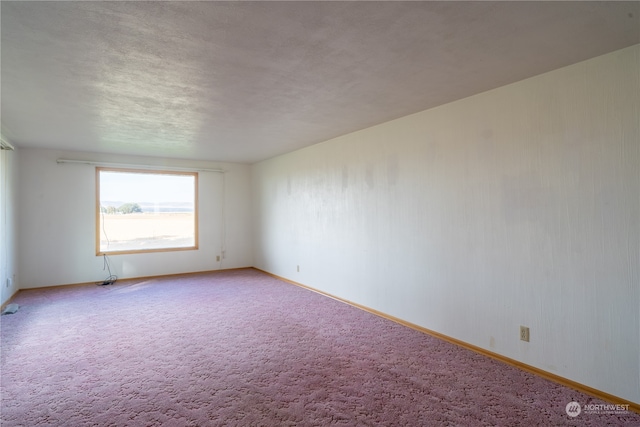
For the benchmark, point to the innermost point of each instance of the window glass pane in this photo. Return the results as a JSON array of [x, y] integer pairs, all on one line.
[[146, 210]]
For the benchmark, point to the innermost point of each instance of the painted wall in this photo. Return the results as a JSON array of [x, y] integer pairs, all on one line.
[[8, 218], [517, 206], [57, 221]]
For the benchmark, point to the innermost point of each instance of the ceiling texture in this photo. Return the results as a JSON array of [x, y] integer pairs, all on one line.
[[246, 81]]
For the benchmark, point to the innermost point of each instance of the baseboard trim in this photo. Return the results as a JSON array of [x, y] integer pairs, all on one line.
[[133, 279], [523, 366]]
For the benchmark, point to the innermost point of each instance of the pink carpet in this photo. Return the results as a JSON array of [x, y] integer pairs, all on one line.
[[240, 348]]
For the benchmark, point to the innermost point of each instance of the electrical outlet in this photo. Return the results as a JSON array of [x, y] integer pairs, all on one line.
[[9, 282], [218, 258], [524, 333], [298, 268]]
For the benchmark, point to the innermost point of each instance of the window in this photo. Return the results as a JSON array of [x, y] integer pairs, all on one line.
[[145, 211]]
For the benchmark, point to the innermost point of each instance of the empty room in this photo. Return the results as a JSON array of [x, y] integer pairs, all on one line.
[[306, 213]]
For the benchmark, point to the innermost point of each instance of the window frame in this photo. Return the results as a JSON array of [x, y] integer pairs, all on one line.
[[195, 176]]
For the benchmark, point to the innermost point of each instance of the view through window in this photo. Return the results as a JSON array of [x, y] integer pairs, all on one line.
[[145, 211]]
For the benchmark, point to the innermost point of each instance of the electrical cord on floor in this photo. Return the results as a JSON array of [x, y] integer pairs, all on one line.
[[112, 277]]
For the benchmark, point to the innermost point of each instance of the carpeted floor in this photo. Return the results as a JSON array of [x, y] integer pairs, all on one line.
[[240, 348]]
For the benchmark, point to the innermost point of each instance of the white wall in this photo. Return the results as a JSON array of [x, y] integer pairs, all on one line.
[[8, 239], [518, 206], [57, 221]]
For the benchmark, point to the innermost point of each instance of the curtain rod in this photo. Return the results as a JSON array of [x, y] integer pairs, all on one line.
[[130, 165]]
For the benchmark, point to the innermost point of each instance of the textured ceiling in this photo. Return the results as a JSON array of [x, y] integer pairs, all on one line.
[[245, 81]]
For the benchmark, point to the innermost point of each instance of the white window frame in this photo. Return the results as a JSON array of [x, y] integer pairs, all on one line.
[[100, 251]]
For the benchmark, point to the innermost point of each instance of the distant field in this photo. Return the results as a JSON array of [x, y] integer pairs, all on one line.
[[146, 231]]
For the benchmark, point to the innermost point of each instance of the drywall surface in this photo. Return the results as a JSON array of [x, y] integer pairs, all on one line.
[[517, 206], [57, 205], [8, 218]]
